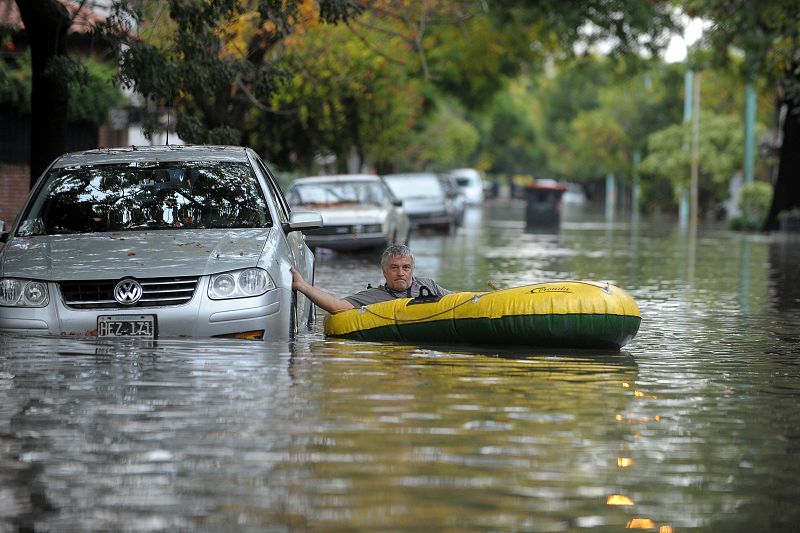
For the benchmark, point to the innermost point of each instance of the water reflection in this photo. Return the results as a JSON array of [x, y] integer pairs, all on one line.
[[689, 429], [462, 440], [784, 274]]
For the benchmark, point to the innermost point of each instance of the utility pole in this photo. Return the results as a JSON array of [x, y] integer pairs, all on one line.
[[695, 173], [611, 196], [688, 89], [749, 129], [636, 192]]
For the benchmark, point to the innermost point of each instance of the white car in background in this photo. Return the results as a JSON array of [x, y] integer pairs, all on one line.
[[358, 211], [470, 181], [159, 241], [574, 195], [426, 198]]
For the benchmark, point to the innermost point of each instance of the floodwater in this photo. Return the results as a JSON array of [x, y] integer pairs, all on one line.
[[694, 426]]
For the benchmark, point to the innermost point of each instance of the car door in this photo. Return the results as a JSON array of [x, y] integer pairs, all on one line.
[[301, 257]]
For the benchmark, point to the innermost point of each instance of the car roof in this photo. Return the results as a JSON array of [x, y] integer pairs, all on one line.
[[337, 178], [466, 172], [412, 175], [133, 154]]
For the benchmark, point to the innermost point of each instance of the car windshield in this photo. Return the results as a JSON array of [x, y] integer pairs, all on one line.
[[336, 194], [119, 197], [408, 187]]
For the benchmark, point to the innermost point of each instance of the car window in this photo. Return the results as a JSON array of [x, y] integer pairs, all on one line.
[[407, 187], [120, 197], [337, 194], [280, 201]]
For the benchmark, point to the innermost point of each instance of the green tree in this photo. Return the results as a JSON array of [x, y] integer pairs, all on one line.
[[46, 23], [92, 91], [600, 111], [342, 98], [213, 61], [721, 151], [511, 141], [769, 34], [444, 139]]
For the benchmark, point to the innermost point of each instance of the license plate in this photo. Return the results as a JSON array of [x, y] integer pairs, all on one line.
[[126, 326]]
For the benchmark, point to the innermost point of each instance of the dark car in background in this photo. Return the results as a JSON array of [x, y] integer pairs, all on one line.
[[358, 211], [161, 241], [426, 198]]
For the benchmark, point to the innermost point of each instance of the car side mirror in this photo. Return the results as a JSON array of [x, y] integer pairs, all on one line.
[[302, 219], [3, 232], [397, 203]]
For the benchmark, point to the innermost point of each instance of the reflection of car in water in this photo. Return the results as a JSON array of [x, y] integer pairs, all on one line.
[[470, 181], [425, 199], [358, 211], [166, 241]]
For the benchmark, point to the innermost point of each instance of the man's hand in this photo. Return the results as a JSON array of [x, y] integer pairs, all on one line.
[[321, 298], [298, 283]]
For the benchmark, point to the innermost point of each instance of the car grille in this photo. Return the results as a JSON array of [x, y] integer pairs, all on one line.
[[99, 294]]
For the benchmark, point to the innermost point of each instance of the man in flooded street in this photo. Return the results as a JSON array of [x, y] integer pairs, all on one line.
[[397, 264]]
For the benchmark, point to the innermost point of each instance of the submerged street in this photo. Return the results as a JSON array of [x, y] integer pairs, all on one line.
[[692, 427]]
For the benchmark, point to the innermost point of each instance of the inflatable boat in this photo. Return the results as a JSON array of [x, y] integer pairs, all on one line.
[[561, 314]]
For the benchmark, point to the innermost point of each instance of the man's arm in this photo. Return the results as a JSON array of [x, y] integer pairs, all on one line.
[[326, 301]]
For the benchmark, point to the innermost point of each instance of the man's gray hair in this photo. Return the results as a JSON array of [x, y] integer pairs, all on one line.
[[396, 250]]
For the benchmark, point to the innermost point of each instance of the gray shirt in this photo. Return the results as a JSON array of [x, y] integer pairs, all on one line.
[[384, 294]]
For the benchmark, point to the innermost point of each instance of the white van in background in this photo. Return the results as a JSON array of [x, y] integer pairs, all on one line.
[[470, 181]]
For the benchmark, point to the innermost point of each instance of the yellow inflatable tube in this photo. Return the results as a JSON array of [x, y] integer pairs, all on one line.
[[566, 314]]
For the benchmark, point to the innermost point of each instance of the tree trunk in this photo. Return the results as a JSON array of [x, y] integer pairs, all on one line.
[[46, 23], [786, 194]]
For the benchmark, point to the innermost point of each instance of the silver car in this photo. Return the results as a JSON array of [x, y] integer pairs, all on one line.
[[167, 241], [471, 183], [427, 200], [358, 211]]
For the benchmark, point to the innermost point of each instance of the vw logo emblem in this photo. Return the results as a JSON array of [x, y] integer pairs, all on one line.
[[128, 291]]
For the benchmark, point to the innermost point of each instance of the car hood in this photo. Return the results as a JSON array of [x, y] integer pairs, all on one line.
[[138, 254], [359, 215]]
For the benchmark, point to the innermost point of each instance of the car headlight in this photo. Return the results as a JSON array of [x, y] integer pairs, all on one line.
[[16, 292], [239, 284]]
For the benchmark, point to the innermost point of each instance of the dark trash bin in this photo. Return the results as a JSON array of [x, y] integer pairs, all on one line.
[[543, 205]]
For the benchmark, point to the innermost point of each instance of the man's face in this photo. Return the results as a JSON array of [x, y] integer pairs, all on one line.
[[399, 272]]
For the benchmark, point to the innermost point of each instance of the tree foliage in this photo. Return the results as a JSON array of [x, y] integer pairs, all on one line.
[[721, 152], [511, 141], [599, 112], [768, 32], [271, 73], [46, 23], [341, 97], [443, 141], [214, 60]]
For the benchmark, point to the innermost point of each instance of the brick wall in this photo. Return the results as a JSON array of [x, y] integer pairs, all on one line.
[[14, 187]]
